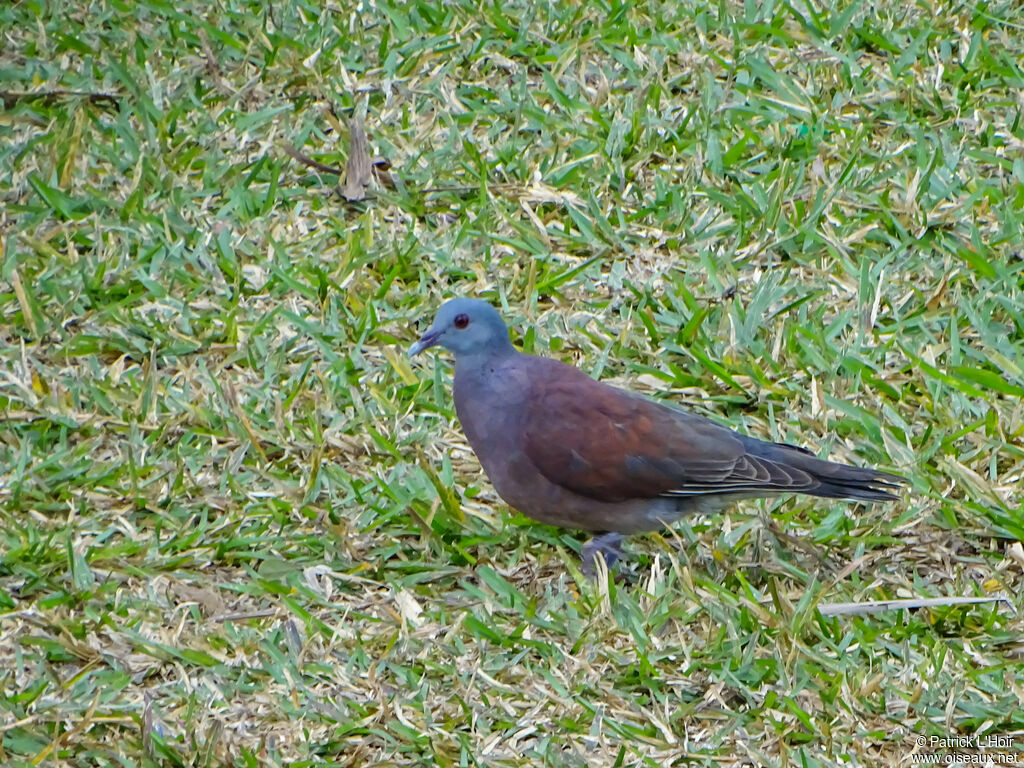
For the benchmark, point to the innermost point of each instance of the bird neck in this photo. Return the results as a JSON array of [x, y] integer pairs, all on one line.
[[473, 362]]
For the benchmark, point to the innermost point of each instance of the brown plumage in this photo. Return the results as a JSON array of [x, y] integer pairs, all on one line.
[[624, 446], [565, 449]]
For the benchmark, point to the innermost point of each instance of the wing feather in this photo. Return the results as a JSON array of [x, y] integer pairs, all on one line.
[[612, 445]]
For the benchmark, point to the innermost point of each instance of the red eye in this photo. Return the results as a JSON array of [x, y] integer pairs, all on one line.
[[461, 321]]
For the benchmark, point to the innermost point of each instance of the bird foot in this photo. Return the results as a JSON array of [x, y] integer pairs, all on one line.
[[608, 545]]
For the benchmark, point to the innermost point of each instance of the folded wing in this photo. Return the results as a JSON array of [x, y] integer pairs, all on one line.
[[611, 445]]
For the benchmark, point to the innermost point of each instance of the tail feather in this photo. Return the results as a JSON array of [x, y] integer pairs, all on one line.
[[770, 469], [830, 480]]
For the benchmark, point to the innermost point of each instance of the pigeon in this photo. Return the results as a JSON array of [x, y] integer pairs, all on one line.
[[571, 451]]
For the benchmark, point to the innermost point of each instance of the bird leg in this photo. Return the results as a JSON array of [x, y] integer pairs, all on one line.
[[608, 545]]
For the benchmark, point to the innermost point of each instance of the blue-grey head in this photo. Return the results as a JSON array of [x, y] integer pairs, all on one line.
[[466, 327]]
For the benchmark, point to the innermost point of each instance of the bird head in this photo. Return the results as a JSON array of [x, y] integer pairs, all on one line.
[[465, 327]]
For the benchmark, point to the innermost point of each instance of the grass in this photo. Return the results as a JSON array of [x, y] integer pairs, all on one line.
[[238, 527]]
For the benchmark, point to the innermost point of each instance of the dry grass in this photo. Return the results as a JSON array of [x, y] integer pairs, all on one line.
[[237, 527]]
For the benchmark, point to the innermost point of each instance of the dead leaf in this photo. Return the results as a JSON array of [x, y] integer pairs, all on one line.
[[357, 172], [408, 607], [1015, 552], [935, 300], [210, 600], [818, 169], [381, 172]]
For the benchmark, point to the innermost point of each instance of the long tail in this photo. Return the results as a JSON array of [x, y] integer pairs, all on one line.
[[829, 480]]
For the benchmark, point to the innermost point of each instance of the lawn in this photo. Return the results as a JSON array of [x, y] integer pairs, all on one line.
[[240, 527]]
